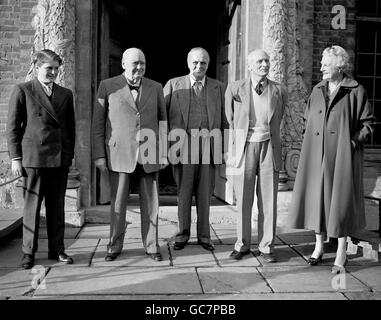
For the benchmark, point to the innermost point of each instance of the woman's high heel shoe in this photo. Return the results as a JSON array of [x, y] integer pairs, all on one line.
[[336, 269], [314, 261]]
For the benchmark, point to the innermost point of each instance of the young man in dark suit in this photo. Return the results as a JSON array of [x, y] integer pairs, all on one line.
[[41, 137]]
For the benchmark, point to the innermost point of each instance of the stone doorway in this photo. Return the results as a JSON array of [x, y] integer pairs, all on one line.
[[165, 31]]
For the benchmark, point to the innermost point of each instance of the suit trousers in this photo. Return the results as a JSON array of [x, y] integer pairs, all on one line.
[[47, 184], [149, 208], [258, 166], [197, 179]]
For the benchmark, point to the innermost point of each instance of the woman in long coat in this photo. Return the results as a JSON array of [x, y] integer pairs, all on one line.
[[328, 191]]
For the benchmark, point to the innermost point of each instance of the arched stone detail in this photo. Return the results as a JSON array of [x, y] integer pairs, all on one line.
[[54, 25], [281, 41], [292, 161]]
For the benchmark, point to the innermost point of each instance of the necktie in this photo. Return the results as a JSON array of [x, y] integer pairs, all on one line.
[[48, 90], [197, 86], [259, 88]]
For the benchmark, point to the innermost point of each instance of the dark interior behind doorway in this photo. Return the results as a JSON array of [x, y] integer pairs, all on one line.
[[165, 31]]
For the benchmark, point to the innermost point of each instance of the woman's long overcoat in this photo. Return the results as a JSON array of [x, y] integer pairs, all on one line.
[[328, 191]]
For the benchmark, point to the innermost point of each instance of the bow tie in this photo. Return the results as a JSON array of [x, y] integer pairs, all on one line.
[[132, 87]]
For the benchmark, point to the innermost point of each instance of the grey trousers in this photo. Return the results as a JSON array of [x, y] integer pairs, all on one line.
[[149, 208], [258, 166]]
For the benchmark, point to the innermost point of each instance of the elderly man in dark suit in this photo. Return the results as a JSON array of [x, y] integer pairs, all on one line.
[[195, 105], [254, 109], [41, 137], [129, 109]]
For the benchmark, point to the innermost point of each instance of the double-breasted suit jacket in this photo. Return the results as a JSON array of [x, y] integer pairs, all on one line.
[[237, 111], [41, 131], [119, 122], [177, 93]]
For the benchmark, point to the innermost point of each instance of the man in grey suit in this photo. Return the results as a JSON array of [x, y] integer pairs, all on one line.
[[129, 109], [254, 109], [195, 106]]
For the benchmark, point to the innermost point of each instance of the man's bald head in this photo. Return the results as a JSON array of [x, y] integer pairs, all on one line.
[[134, 64], [198, 62], [258, 62]]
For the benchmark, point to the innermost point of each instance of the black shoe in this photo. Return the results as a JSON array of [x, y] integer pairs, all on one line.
[[237, 255], [155, 256], [179, 245], [314, 261], [111, 256], [268, 257], [60, 256], [206, 245], [27, 261]]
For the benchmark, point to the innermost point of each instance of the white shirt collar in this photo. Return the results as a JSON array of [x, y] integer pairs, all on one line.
[[254, 82], [50, 85], [193, 80]]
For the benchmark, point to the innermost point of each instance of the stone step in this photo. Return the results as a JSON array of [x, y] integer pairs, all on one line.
[[368, 241]]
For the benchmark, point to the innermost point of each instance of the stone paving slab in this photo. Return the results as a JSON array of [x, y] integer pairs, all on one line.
[[70, 245], [16, 282], [309, 279], [222, 253], [192, 256], [232, 280], [167, 231], [206, 297], [70, 233], [133, 255], [363, 295], [95, 231], [369, 275], [297, 237], [115, 280], [11, 254]]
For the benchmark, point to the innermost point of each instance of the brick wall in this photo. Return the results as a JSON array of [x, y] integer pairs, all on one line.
[[305, 13], [16, 40], [325, 35]]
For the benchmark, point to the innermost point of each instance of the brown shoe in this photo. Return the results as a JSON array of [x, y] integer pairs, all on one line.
[[111, 256], [206, 245], [179, 245], [27, 261], [238, 255]]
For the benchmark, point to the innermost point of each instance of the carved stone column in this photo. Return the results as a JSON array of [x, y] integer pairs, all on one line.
[[280, 40], [54, 25]]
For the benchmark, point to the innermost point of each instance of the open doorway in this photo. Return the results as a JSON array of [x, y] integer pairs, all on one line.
[[165, 31]]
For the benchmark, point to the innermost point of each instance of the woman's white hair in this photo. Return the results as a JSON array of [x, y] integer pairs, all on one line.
[[341, 57]]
